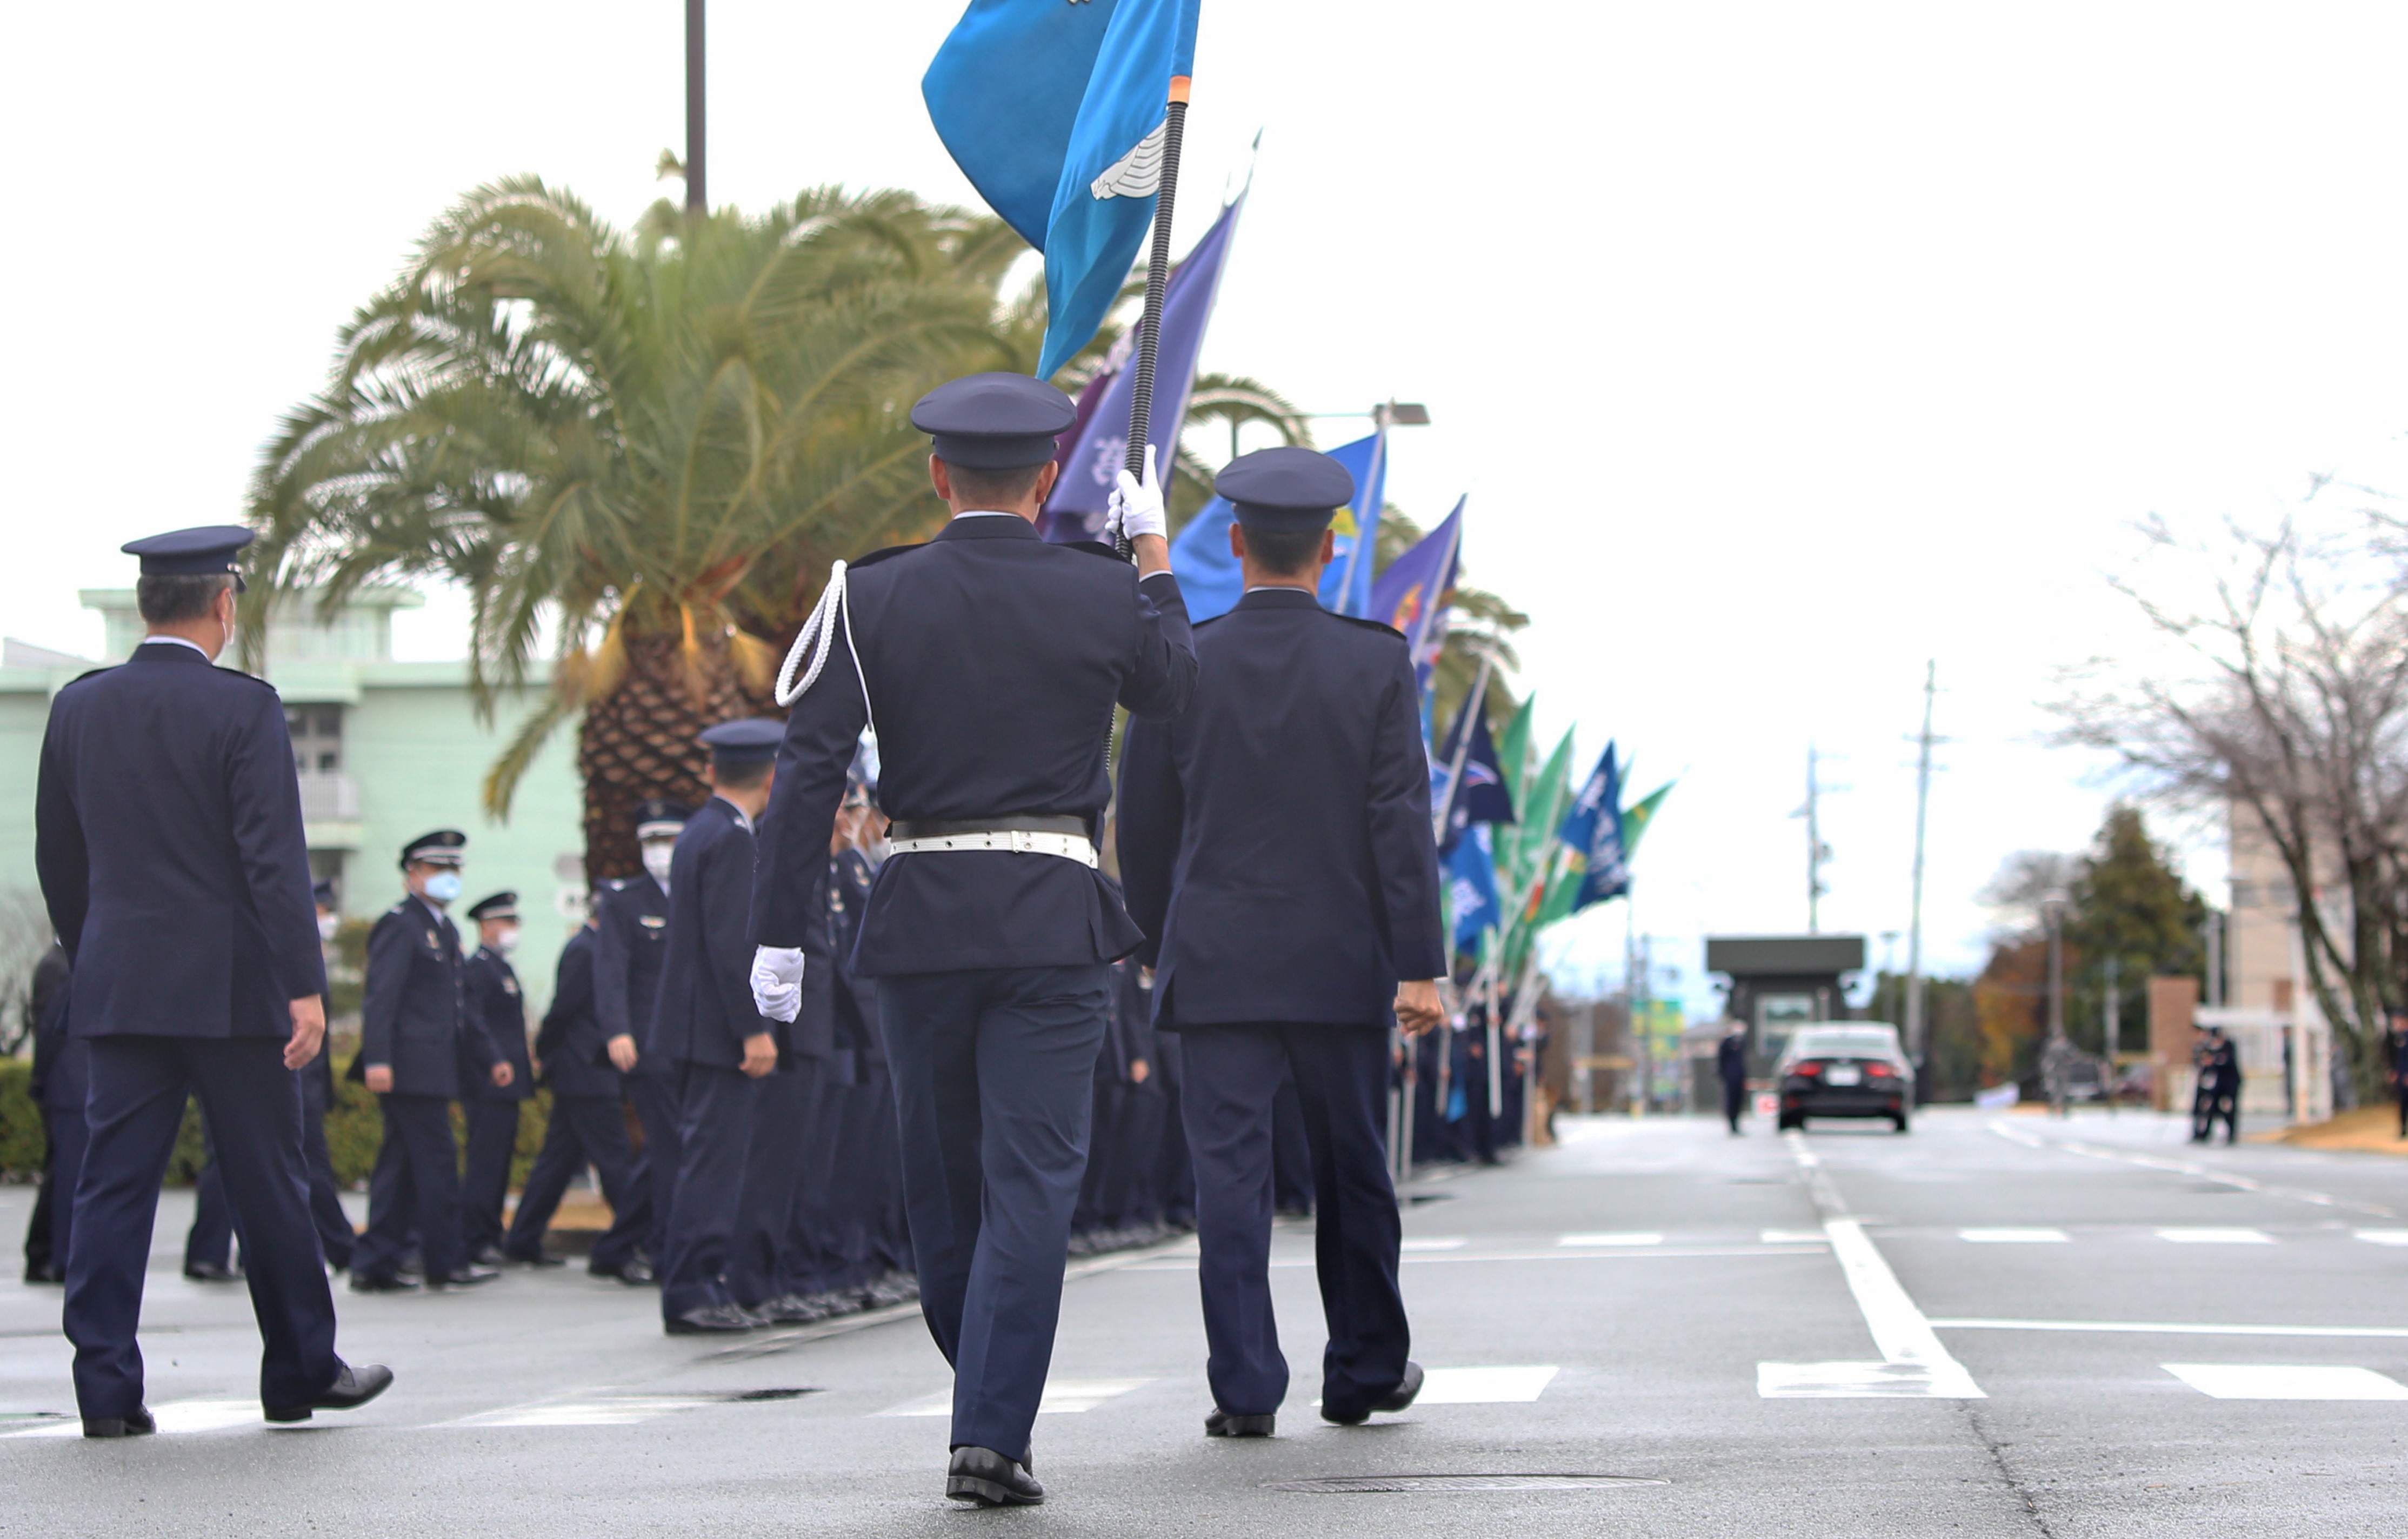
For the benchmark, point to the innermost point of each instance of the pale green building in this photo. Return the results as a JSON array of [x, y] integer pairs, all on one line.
[[384, 750]]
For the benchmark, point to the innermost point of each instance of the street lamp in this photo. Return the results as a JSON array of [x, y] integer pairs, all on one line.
[[2052, 912]]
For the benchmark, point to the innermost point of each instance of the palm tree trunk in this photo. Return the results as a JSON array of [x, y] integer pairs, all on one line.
[[639, 741]]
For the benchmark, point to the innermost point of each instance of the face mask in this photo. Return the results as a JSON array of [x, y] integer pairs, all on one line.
[[443, 886], [507, 943], [327, 924], [656, 861]]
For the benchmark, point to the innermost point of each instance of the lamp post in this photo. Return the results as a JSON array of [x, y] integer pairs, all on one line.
[[697, 200], [2053, 1053]]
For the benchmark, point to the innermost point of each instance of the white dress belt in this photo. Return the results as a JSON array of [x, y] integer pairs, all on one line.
[[1019, 842]]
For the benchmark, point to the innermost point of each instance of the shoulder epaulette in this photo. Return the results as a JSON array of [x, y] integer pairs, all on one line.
[[1092, 547], [1370, 625], [876, 556], [1209, 620], [90, 673]]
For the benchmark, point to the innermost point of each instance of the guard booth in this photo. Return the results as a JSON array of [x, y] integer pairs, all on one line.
[[1779, 982]]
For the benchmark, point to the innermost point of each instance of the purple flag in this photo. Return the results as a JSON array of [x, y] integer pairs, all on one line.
[[1411, 595], [1099, 441]]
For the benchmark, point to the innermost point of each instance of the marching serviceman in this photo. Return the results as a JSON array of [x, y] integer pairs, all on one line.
[[414, 1032], [628, 945], [1275, 843], [708, 1029], [586, 1128], [168, 840], [58, 1088], [491, 1107], [987, 662]]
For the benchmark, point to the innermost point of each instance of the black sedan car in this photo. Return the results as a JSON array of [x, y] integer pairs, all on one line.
[[1850, 1069]]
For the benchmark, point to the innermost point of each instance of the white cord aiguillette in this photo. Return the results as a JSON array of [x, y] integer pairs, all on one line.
[[817, 634]]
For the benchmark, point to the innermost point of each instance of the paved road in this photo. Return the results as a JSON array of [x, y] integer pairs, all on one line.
[[1844, 1333]]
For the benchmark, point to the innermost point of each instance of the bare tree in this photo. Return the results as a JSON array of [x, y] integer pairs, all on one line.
[[24, 936], [2283, 704]]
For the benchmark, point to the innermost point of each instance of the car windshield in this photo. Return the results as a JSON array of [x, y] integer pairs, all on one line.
[[1843, 1045]]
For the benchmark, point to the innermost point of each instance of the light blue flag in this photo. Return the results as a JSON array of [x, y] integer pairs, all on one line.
[[1062, 106], [1209, 576], [1471, 905], [1346, 586]]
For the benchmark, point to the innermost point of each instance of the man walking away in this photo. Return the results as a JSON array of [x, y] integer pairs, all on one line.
[[1731, 1062], [629, 942], [1275, 841], [990, 661], [167, 836]]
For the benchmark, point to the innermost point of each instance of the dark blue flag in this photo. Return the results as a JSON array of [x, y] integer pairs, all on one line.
[[1592, 834], [1479, 794]]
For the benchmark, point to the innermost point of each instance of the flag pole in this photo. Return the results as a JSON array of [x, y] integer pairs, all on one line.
[[1149, 325], [1471, 702], [1363, 530], [1495, 1031]]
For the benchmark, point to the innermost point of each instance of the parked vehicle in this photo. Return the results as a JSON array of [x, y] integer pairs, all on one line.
[[1844, 1069]]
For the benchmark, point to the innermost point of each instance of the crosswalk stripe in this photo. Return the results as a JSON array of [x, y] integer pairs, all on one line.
[[2216, 1237], [1582, 1241], [2383, 1237], [2014, 1237], [175, 1417], [2285, 1381], [1061, 1396], [1450, 1242]]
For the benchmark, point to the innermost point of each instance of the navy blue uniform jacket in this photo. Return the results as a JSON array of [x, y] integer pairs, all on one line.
[[992, 661], [494, 1003], [706, 1004], [62, 1072], [628, 947], [1275, 839], [168, 838], [571, 1042], [412, 1015]]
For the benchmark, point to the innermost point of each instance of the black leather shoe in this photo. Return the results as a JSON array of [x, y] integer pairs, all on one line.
[[46, 1272], [712, 1320], [1229, 1424], [467, 1276], [634, 1273], [986, 1477], [790, 1309], [522, 1259], [386, 1283], [488, 1255], [137, 1425], [353, 1387], [1396, 1400], [210, 1271]]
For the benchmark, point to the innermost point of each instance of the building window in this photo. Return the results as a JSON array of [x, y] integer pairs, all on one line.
[[317, 738]]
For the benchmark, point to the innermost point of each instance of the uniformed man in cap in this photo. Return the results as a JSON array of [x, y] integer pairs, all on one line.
[[415, 1031], [1275, 841], [586, 1128], [629, 942], [987, 662], [168, 839], [708, 1029], [490, 1108]]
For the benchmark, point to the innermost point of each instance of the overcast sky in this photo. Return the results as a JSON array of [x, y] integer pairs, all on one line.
[[1780, 348]]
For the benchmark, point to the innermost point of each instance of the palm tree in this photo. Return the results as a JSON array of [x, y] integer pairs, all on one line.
[[638, 450]]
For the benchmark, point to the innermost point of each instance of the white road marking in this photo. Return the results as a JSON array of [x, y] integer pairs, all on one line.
[[2216, 1237], [2183, 1167], [1795, 1244], [1914, 1363], [1456, 1243], [1592, 1241], [2167, 1328], [2015, 1237], [2383, 1237], [1791, 1237], [2270, 1381], [1061, 1396], [176, 1417], [1483, 1386], [589, 1411]]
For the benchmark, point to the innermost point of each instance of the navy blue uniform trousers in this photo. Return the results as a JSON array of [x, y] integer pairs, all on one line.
[[764, 1260], [212, 1236], [485, 1184], [715, 1118], [994, 1071], [414, 1188], [1233, 1074], [68, 1135], [254, 1102], [584, 1130], [655, 1098]]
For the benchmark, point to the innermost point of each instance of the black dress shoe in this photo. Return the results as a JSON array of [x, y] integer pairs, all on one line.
[[210, 1271], [790, 1309], [1229, 1424], [383, 1283], [634, 1273], [137, 1425], [986, 1477], [351, 1386], [712, 1320], [49, 1273], [467, 1276], [522, 1259], [488, 1255], [1395, 1399]]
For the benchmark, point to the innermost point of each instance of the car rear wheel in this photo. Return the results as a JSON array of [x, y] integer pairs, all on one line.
[[1790, 1123]]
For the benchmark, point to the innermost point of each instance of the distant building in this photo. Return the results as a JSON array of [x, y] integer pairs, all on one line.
[[384, 750], [2266, 1004]]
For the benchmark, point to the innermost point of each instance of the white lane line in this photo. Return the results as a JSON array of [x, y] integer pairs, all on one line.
[[1061, 1396], [2278, 1381], [2383, 1237], [1484, 1386], [1450, 1242], [1800, 1245], [176, 1417], [1914, 1363], [2191, 1168], [589, 1411], [2216, 1237], [2015, 1237], [1572, 1241], [2169, 1328], [1790, 1237]]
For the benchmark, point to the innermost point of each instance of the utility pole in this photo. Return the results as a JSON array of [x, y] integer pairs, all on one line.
[[2110, 1025], [1818, 853], [1916, 1051], [697, 199]]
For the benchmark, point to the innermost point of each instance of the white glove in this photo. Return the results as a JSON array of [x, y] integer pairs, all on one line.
[[1136, 507], [777, 981]]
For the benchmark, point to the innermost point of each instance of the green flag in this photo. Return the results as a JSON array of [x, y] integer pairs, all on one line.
[[1634, 819]]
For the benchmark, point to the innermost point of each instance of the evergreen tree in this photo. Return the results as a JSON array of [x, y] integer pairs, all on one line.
[[2129, 905]]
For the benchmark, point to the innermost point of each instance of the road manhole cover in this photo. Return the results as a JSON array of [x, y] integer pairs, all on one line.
[[1358, 1485]]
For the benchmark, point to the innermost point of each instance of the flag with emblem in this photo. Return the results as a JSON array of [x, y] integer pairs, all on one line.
[[1592, 835], [1411, 595], [1056, 112], [1471, 890], [1479, 794]]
